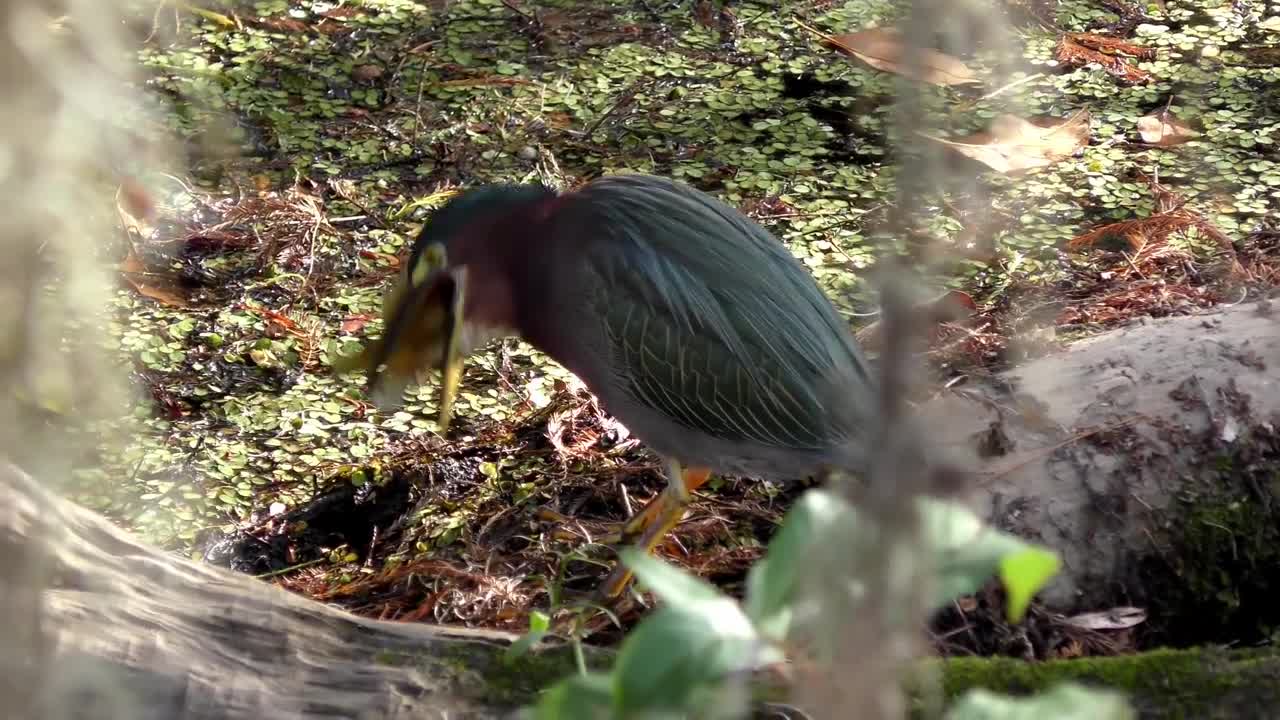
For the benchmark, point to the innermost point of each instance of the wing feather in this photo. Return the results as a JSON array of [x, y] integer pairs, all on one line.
[[711, 320]]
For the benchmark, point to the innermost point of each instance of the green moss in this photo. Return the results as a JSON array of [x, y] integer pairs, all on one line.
[[1200, 683], [1214, 579], [519, 681]]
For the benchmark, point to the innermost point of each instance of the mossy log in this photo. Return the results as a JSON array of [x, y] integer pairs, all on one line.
[[1149, 458], [97, 622]]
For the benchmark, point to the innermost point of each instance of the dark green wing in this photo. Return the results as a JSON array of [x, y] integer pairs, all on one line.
[[713, 322]]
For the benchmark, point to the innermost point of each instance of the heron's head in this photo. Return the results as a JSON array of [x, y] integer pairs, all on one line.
[[431, 319], [423, 319]]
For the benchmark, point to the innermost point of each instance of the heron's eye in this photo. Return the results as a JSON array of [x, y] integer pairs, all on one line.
[[432, 258]]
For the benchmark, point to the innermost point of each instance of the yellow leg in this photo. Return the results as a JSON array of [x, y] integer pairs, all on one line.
[[657, 519], [632, 528], [626, 532]]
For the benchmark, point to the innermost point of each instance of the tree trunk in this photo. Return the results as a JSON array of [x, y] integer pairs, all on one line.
[[102, 626]]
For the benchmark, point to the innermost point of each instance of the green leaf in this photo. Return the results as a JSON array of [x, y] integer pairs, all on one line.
[[772, 582], [1068, 701], [580, 697], [694, 642], [1023, 574], [678, 652], [539, 623], [671, 584], [965, 552], [968, 553]]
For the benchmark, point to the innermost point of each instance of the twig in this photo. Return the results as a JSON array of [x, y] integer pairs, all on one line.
[[1010, 86], [1038, 453]]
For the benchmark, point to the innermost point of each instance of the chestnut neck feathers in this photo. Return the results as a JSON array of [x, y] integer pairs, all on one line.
[[494, 232]]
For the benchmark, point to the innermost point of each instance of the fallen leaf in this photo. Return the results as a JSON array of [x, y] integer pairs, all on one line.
[[1014, 144], [558, 120], [134, 207], [284, 24], [354, 324], [136, 201], [952, 306], [276, 321], [704, 13], [366, 73], [882, 48], [389, 259], [341, 13], [1111, 45], [1163, 129], [1119, 618], [158, 287]]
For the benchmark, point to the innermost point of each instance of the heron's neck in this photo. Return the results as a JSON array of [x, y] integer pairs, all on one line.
[[500, 263], [488, 308], [476, 336]]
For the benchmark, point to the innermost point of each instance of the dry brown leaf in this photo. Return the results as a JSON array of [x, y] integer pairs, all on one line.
[[882, 48], [284, 24], [704, 13], [1014, 144], [366, 73], [353, 324], [136, 201], [1163, 129], [1111, 45], [158, 287], [135, 206], [1119, 618], [558, 120], [341, 13]]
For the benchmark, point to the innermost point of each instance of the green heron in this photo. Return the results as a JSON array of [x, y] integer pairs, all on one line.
[[692, 325]]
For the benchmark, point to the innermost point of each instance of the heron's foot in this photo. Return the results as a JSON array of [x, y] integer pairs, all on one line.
[[644, 530], [619, 533], [667, 515], [652, 524]]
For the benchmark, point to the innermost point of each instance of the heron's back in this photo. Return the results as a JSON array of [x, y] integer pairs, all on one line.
[[699, 330]]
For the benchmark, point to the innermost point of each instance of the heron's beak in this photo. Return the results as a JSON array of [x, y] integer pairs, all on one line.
[[422, 315]]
